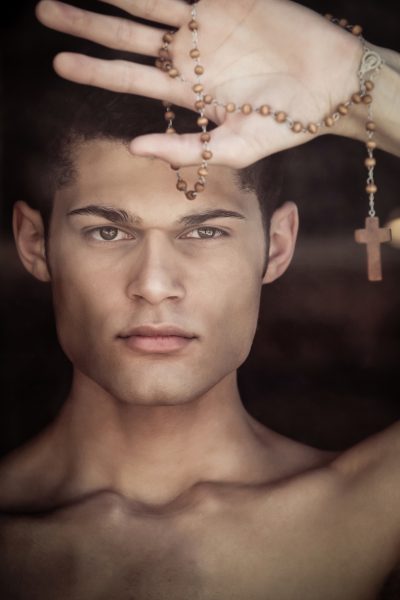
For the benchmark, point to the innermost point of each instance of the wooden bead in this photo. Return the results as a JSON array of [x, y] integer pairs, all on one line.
[[371, 144], [202, 171], [343, 22], [329, 122], [193, 25], [168, 37], [159, 63], [199, 70], [264, 110], [199, 187], [356, 30], [356, 98], [207, 154], [280, 116], [166, 65], [169, 115], [191, 195], [205, 137], [369, 85], [329, 16], [246, 109], [230, 107], [208, 98], [194, 53], [173, 72], [175, 167], [342, 109], [198, 88], [371, 188], [202, 121], [181, 185], [297, 127], [171, 130], [312, 128], [163, 53], [370, 162], [199, 104], [367, 99], [370, 126]]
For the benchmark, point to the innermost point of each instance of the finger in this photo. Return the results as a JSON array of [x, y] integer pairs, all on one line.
[[228, 149], [113, 32], [169, 12], [119, 76]]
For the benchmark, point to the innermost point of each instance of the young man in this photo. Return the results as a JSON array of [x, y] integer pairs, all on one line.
[[153, 481]]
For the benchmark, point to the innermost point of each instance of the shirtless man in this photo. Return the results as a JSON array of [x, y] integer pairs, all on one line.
[[153, 482]]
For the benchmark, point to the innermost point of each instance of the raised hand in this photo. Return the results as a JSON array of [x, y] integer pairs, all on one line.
[[272, 52]]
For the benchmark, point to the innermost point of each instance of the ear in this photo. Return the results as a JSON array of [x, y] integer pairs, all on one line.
[[30, 240], [283, 233]]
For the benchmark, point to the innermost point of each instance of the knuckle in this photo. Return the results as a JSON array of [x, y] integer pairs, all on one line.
[[80, 21], [125, 77], [123, 32]]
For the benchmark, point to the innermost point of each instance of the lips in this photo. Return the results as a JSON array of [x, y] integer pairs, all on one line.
[[158, 339]]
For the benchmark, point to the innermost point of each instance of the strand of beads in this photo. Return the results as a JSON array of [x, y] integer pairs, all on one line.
[[371, 63], [164, 62], [354, 29], [281, 116]]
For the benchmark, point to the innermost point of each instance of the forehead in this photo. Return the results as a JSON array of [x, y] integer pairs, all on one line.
[[106, 173]]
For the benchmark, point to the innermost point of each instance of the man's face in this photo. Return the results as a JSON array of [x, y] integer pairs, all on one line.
[[131, 258]]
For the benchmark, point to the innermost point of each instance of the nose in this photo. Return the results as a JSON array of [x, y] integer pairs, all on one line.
[[155, 275]]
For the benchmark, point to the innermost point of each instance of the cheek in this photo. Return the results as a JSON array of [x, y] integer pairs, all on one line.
[[84, 304], [232, 305]]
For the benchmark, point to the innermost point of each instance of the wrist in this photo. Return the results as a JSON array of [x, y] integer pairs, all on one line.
[[386, 100]]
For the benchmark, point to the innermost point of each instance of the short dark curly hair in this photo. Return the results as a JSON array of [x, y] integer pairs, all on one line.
[[67, 114]]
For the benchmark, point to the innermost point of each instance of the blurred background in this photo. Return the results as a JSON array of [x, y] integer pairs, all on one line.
[[325, 363]]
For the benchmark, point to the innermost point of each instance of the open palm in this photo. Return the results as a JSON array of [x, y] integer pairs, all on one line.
[[272, 52]]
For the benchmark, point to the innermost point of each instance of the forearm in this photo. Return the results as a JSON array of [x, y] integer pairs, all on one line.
[[385, 106]]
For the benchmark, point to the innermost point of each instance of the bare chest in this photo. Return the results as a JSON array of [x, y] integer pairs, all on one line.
[[218, 551]]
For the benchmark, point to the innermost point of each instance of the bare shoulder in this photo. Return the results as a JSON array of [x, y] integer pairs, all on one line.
[[380, 452], [371, 470]]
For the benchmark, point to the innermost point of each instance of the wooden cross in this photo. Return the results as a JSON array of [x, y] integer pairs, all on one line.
[[373, 236]]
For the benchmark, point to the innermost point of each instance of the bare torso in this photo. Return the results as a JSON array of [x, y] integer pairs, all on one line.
[[329, 532]]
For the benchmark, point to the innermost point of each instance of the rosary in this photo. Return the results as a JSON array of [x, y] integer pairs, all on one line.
[[372, 235]]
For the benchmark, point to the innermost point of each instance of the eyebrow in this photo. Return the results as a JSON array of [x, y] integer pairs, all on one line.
[[198, 218], [117, 215]]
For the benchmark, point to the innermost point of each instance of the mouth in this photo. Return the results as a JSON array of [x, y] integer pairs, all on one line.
[[157, 339]]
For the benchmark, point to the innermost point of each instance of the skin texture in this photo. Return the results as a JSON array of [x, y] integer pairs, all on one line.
[[153, 481], [166, 274], [158, 273]]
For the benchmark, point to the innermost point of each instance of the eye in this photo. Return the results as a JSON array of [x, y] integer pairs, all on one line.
[[204, 233], [108, 234]]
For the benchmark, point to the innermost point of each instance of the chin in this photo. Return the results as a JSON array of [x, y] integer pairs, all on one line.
[[151, 387], [154, 396], [169, 381], [168, 389]]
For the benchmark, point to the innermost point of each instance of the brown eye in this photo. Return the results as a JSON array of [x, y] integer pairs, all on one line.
[[108, 233], [205, 233]]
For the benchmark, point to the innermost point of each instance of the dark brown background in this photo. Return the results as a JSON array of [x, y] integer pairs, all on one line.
[[325, 363]]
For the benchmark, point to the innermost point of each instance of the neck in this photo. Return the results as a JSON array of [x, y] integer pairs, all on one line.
[[155, 453]]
